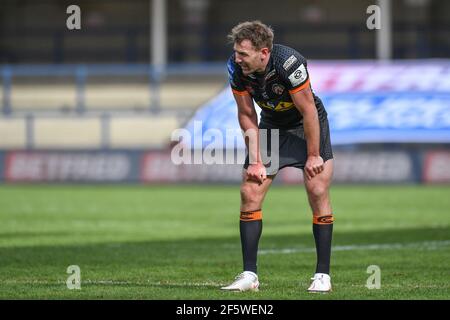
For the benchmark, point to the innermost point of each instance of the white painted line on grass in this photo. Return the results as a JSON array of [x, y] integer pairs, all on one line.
[[425, 245]]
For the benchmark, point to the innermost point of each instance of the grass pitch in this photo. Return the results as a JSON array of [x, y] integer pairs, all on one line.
[[166, 242]]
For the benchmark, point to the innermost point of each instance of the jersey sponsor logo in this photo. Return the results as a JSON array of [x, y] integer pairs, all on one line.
[[270, 74], [289, 62], [278, 89], [298, 76], [269, 105], [281, 106]]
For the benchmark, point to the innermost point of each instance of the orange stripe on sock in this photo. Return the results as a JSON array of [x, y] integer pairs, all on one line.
[[328, 219], [251, 215]]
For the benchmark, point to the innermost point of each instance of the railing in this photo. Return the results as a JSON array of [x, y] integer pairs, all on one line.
[[81, 73]]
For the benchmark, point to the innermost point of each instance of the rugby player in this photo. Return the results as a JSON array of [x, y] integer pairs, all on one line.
[[276, 77]]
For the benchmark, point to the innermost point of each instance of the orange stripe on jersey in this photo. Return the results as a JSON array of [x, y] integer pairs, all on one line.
[[251, 215], [240, 93], [303, 86], [328, 219]]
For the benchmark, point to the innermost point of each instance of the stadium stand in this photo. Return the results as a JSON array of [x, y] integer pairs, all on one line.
[[12, 133], [55, 102], [94, 88], [36, 97], [68, 133], [138, 132]]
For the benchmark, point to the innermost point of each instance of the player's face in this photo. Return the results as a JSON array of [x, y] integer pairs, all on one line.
[[250, 59]]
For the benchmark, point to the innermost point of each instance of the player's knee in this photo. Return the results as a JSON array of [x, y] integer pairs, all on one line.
[[250, 194], [317, 191]]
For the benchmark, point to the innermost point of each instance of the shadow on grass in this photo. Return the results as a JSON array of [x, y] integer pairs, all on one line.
[[172, 252], [161, 268]]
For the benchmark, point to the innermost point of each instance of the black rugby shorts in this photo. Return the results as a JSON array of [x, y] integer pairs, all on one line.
[[292, 150]]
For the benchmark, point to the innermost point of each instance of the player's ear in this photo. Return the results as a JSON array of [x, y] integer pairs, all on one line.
[[264, 52]]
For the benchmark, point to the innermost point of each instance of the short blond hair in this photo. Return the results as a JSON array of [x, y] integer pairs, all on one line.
[[259, 34]]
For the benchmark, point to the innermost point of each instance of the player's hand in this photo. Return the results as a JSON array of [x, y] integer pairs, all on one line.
[[314, 166], [256, 172]]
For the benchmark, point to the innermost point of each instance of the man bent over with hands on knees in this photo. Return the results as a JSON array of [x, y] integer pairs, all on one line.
[[277, 78]]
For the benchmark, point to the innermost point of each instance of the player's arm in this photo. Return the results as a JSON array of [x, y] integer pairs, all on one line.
[[248, 121], [304, 102]]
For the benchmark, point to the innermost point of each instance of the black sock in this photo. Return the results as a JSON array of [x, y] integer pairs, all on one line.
[[250, 233], [323, 231]]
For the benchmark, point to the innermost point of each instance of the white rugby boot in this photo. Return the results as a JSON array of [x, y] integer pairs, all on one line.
[[321, 283], [246, 281]]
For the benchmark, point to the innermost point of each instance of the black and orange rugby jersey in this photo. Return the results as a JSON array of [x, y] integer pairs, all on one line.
[[285, 73]]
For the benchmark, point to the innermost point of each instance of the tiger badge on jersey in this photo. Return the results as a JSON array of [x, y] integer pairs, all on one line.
[[278, 89]]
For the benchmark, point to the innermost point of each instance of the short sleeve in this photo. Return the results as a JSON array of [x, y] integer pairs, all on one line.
[[295, 72]]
